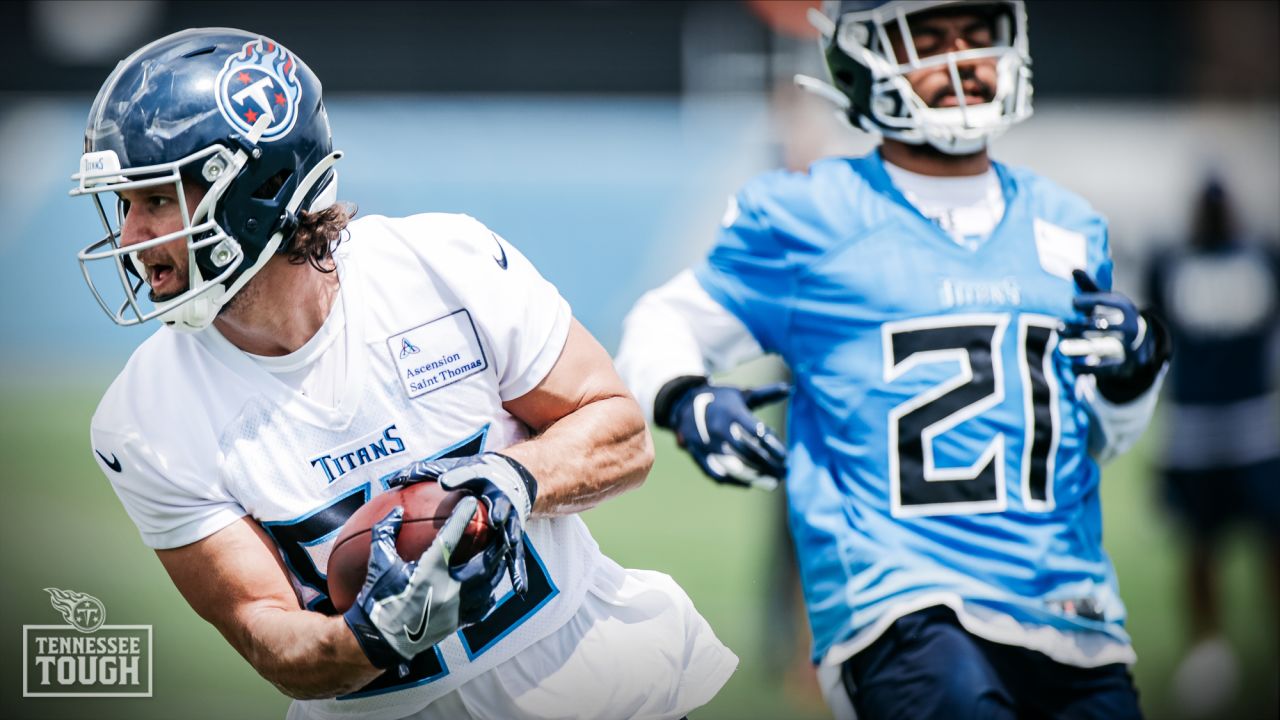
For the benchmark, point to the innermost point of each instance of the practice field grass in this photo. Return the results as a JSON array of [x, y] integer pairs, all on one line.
[[64, 528]]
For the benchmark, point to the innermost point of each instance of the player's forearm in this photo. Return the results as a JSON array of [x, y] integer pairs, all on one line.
[[658, 343], [305, 654], [1116, 427], [598, 451]]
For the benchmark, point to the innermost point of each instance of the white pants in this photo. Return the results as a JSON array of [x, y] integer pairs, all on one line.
[[636, 648]]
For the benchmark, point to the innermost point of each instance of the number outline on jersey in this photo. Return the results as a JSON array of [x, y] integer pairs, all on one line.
[[1031, 410], [539, 582], [1037, 338], [992, 454], [472, 445], [280, 533]]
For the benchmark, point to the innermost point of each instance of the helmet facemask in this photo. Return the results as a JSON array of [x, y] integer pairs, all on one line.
[[213, 254], [880, 97]]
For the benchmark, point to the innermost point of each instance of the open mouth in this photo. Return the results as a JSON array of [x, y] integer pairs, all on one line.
[[157, 275], [164, 281]]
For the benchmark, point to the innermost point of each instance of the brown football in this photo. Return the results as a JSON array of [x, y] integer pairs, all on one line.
[[426, 507]]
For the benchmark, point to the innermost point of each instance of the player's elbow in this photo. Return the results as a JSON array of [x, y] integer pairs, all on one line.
[[632, 446], [644, 456], [298, 692], [306, 656], [639, 443]]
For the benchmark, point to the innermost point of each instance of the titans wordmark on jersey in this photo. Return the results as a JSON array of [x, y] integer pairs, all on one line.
[[202, 435], [939, 454]]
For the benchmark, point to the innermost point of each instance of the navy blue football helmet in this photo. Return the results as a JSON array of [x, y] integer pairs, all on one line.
[[869, 82], [242, 118]]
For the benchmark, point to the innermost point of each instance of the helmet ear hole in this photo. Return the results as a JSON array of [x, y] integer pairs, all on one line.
[[269, 189]]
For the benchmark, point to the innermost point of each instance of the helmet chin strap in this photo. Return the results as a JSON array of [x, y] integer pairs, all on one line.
[[200, 311]]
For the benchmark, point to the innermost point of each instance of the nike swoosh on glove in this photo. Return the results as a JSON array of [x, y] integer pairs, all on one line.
[[404, 607]]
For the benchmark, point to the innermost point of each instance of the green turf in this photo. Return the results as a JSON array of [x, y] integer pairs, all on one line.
[[63, 527]]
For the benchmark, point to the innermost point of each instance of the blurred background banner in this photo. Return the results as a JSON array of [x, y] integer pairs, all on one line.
[[601, 137]]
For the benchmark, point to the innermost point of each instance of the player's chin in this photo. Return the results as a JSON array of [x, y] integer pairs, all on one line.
[[159, 297]]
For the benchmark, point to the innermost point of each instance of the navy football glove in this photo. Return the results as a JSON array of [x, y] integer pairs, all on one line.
[[1110, 337], [1112, 340], [505, 486], [405, 608], [714, 424]]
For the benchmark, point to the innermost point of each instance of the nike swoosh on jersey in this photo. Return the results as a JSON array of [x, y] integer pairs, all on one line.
[[502, 258], [416, 635], [113, 463]]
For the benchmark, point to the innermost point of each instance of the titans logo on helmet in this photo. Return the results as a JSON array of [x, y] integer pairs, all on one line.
[[260, 80]]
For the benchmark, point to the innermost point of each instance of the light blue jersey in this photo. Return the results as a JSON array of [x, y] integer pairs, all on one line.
[[938, 452]]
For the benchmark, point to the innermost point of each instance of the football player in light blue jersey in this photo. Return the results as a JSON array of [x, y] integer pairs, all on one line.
[[961, 369]]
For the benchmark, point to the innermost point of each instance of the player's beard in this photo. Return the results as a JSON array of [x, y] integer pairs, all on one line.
[[179, 268], [246, 297], [158, 298], [970, 84]]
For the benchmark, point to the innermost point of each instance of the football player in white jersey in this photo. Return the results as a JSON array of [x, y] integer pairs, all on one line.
[[296, 376]]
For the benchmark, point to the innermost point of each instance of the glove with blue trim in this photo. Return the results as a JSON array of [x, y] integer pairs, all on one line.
[[404, 607], [714, 424], [505, 486], [1112, 340]]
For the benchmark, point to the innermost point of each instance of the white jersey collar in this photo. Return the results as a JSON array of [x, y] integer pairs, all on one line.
[[350, 291], [967, 208]]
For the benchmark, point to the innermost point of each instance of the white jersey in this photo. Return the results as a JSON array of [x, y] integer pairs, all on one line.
[[443, 323]]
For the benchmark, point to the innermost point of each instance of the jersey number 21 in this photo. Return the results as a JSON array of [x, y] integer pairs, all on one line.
[[974, 341]]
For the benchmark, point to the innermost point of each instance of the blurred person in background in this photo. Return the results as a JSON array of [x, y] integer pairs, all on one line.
[[961, 368], [1220, 294]]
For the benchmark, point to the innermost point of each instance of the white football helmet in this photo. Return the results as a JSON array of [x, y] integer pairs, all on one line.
[[869, 83]]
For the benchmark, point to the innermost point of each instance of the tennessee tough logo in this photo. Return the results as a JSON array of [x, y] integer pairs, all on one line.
[[260, 80]]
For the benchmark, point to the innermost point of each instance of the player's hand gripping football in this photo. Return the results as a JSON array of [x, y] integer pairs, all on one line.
[[1110, 338], [714, 424], [505, 486], [405, 608]]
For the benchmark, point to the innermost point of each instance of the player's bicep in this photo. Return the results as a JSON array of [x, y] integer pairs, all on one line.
[[581, 375], [229, 576]]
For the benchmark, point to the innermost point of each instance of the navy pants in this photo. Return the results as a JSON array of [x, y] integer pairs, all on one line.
[[927, 666]]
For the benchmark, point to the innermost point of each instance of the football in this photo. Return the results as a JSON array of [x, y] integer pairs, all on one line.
[[426, 507]]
